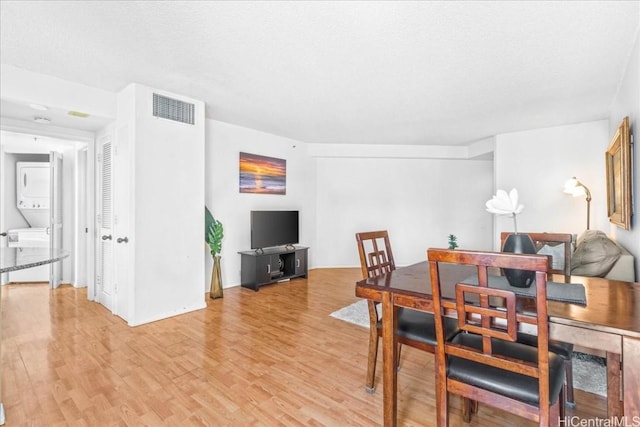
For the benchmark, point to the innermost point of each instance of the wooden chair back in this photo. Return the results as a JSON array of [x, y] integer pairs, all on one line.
[[540, 239], [491, 314], [376, 257]]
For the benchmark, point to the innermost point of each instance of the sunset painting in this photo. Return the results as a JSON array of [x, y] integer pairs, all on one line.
[[260, 174]]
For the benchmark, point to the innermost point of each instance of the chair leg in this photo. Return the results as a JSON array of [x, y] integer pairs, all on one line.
[[568, 367], [563, 403], [553, 418], [371, 363], [442, 398]]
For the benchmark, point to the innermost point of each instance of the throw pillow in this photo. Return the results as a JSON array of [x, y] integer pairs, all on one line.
[[594, 255], [557, 255]]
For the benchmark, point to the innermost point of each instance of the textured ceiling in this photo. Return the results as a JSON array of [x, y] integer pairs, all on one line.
[[343, 72]]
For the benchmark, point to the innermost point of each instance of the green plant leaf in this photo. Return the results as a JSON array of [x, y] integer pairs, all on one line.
[[208, 222], [213, 233]]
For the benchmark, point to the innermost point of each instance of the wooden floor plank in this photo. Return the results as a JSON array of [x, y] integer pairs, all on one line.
[[269, 358]]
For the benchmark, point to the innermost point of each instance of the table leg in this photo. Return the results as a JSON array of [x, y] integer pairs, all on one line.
[[390, 373], [613, 385], [631, 377]]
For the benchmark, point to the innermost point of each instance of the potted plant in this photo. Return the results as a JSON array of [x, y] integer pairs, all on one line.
[[213, 234], [453, 241]]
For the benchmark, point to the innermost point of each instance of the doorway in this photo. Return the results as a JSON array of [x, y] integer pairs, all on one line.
[[30, 146]]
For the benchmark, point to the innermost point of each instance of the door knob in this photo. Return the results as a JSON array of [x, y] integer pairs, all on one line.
[[122, 240], [106, 237], [3, 234]]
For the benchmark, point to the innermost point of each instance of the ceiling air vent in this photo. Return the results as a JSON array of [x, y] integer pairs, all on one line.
[[172, 109]]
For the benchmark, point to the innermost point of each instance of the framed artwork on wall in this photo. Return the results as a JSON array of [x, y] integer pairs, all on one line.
[[262, 174], [618, 166]]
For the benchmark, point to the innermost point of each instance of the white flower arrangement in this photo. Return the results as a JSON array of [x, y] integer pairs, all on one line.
[[506, 204]]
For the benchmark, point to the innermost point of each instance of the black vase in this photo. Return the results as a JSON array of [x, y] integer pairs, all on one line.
[[519, 244]]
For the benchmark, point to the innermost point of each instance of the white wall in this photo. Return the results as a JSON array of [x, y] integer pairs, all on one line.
[[419, 201], [166, 216], [423, 201], [538, 162], [627, 103], [223, 198]]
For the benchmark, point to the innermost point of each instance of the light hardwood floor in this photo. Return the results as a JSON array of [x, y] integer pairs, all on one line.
[[267, 358]]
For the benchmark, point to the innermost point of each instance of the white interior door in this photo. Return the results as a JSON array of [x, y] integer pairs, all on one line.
[[82, 223], [122, 235], [55, 226], [104, 250]]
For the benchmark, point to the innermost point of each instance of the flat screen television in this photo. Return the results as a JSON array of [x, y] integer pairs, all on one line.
[[273, 228]]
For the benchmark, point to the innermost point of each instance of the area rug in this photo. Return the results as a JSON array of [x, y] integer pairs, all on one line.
[[589, 372]]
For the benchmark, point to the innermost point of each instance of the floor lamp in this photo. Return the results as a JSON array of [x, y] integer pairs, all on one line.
[[576, 189]]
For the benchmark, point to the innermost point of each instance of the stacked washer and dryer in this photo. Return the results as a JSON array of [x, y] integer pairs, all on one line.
[[33, 201]]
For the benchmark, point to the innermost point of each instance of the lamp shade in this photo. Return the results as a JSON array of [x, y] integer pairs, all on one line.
[[576, 189], [570, 185]]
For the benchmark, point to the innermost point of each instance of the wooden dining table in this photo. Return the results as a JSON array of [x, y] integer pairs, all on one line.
[[609, 323]]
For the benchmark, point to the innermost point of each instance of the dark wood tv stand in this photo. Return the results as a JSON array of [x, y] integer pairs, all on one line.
[[272, 265]]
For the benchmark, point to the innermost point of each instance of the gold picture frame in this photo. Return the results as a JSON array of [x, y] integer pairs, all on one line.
[[618, 165]]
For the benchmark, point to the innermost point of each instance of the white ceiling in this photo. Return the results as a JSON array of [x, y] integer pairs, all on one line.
[[59, 117], [430, 72]]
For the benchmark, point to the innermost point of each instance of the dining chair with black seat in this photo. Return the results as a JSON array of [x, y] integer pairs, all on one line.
[[485, 362], [414, 328], [557, 265]]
